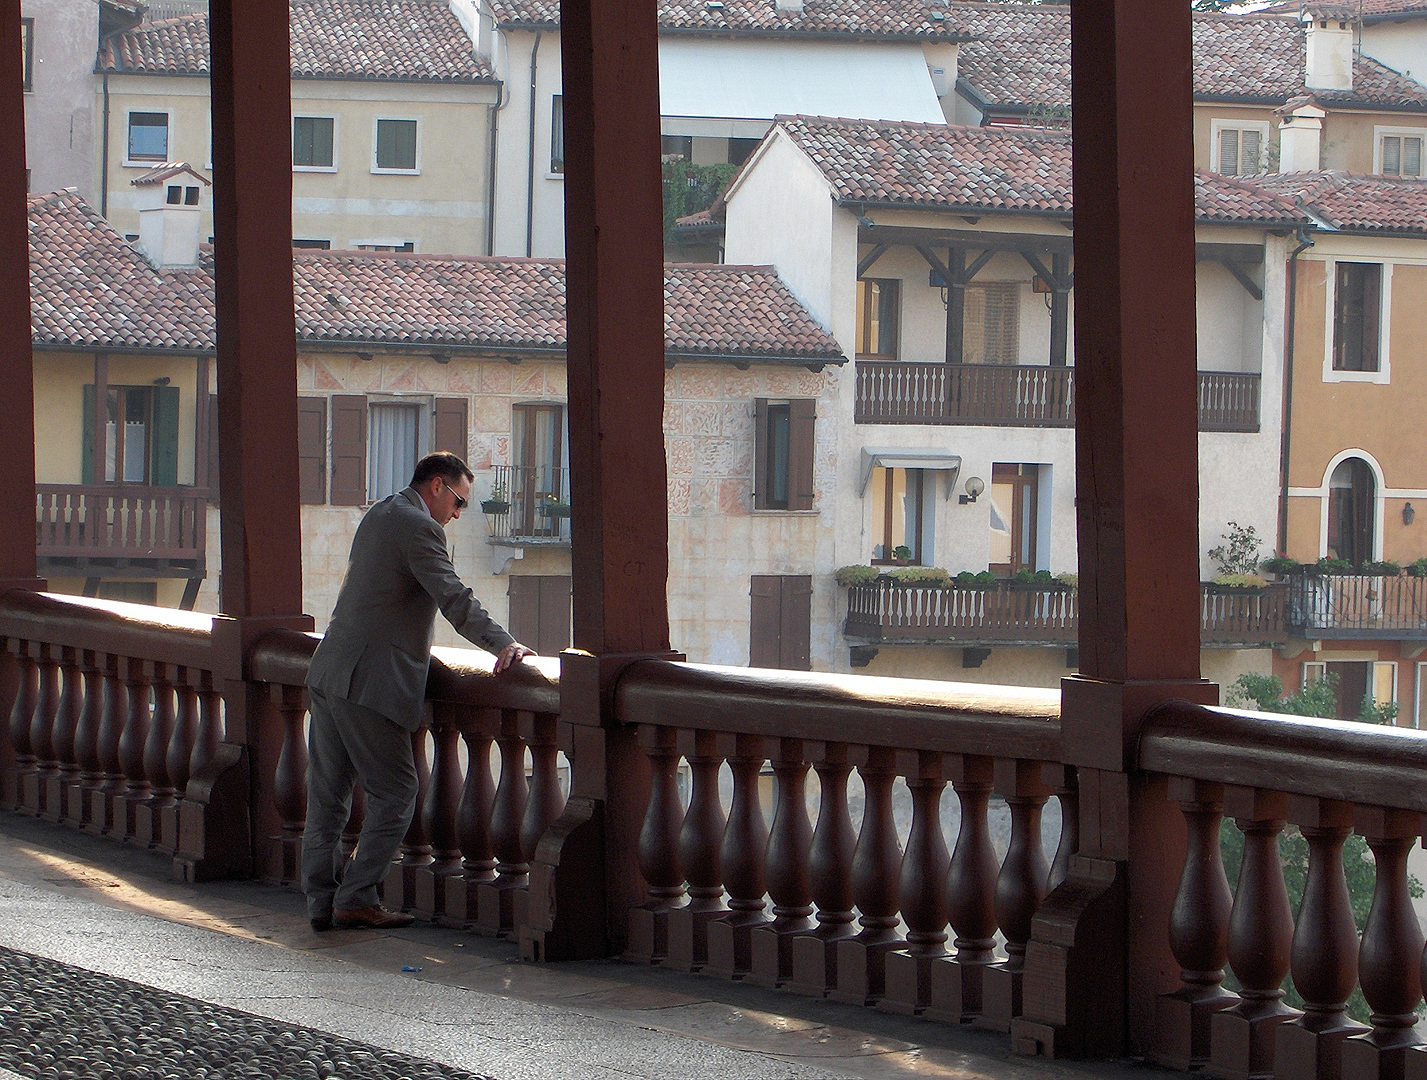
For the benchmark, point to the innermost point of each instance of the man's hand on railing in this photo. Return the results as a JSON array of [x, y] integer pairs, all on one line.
[[512, 654]]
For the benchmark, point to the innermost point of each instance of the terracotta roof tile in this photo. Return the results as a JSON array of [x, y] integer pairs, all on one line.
[[91, 289], [406, 40], [1354, 203], [1019, 57], [1010, 170], [864, 18]]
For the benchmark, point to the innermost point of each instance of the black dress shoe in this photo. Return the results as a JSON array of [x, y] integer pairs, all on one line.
[[371, 918], [321, 923]]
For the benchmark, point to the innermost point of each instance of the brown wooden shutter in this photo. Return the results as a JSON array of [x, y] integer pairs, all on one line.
[[760, 453], [764, 618], [524, 621], [795, 626], [802, 421], [312, 450], [1372, 316], [554, 615], [451, 426], [349, 449]]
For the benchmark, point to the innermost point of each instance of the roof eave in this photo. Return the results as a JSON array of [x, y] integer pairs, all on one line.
[[743, 360]]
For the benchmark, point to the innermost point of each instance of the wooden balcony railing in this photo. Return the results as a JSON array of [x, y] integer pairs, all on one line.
[[1358, 606], [111, 522], [1006, 613], [1025, 395]]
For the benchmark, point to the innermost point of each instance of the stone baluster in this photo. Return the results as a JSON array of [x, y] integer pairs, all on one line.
[[106, 815], [134, 735], [473, 817], [148, 824], [830, 870], [786, 869], [35, 786], [545, 801], [399, 891], [66, 725], [1198, 932], [22, 712], [745, 843], [290, 784], [1390, 957], [86, 741], [495, 898], [700, 848], [658, 848], [1061, 779], [210, 726], [1241, 1038], [439, 811], [1020, 888], [876, 868], [958, 983], [1325, 948], [179, 760], [922, 888]]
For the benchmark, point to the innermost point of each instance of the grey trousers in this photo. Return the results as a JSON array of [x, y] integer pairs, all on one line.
[[346, 743]]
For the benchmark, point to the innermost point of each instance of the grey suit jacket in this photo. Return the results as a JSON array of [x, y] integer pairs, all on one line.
[[378, 646]]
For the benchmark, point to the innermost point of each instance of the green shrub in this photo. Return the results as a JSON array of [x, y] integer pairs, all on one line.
[[1381, 568], [1417, 568], [1282, 565], [1241, 581], [1241, 554], [921, 575], [855, 575], [1330, 565]]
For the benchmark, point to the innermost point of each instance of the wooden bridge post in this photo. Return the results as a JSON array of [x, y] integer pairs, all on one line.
[[1099, 953]]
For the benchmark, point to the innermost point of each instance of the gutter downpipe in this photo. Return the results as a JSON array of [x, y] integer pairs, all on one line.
[[530, 161], [1304, 243], [104, 160]]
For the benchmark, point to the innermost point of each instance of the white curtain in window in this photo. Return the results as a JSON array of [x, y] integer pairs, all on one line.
[[391, 448]]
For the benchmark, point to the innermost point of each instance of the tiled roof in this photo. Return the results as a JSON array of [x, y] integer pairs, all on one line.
[[403, 40], [1369, 204], [1019, 57], [1010, 170], [863, 18], [91, 289], [167, 171]]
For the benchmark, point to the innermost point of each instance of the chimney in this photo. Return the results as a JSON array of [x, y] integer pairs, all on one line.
[[1328, 47], [169, 214], [1300, 135], [792, 7], [942, 58]]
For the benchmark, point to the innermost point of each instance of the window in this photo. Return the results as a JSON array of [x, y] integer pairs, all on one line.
[[557, 134], [1351, 500], [393, 447], [740, 149], [312, 245], [897, 498], [27, 52], [783, 454], [540, 469], [1014, 494], [676, 147], [992, 323], [140, 435], [1399, 153], [375, 444], [540, 612], [1359, 682], [396, 147], [879, 306], [312, 142], [1238, 149], [1357, 316], [407, 246], [148, 136], [780, 622]]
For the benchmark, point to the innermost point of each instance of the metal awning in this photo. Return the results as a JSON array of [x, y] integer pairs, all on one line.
[[899, 457]]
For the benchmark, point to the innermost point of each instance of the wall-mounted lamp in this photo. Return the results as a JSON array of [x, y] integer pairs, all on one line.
[[974, 487], [1408, 513]]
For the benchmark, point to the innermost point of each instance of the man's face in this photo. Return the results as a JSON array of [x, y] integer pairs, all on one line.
[[450, 497]]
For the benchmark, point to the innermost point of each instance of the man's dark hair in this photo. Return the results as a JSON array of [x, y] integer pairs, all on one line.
[[444, 464]]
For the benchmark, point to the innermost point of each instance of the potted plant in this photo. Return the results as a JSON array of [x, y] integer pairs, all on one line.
[[550, 505], [497, 503], [902, 554], [921, 575], [855, 575], [1282, 566]]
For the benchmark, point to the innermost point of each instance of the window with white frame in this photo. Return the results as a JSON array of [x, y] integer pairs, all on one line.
[[557, 134], [148, 136], [395, 147], [1357, 683], [1398, 151], [1239, 147], [1357, 316], [313, 142]]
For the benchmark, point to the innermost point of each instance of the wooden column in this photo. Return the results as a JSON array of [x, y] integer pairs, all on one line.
[[1099, 953], [619, 527], [1059, 309], [257, 424], [17, 419], [955, 304]]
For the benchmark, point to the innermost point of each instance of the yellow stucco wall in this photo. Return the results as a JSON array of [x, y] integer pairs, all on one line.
[[1346, 142]]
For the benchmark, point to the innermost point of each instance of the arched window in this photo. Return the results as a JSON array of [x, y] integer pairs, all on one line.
[[1350, 511]]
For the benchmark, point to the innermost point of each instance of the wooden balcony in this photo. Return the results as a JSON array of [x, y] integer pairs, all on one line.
[[1358, 606], [87, 528], [1023, 395], [1006, 614]]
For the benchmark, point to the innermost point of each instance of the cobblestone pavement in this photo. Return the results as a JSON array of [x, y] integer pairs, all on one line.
[[59, 1022]]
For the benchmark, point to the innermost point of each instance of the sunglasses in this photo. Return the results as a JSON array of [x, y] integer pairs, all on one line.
[[461, 503]]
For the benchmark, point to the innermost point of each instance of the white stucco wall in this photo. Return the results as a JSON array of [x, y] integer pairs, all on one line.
[[519, 199], [1402, 46], [59, 111]]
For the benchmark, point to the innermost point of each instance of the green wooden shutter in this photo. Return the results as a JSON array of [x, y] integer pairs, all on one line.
[[164, 472], [86, 466]]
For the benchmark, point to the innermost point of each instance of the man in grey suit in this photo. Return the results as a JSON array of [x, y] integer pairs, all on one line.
[[367, 684]]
